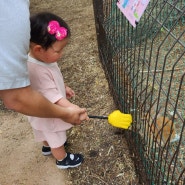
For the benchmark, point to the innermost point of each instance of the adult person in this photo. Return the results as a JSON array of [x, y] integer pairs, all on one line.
[[15, 90]]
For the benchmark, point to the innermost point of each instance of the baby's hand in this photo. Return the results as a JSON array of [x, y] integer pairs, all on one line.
[[69, 92]]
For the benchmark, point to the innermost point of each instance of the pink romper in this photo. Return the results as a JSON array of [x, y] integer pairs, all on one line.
[[48, 80]]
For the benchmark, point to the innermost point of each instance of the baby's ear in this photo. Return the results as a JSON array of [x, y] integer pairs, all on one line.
[[37, 48]]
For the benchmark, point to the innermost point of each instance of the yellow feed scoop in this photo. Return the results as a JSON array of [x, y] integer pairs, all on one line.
[[117, 119]]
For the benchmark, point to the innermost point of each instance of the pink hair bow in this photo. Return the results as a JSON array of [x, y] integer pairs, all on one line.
[[54, 28]]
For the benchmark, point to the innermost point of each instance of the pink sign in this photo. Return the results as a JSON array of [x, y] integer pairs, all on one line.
[[133, 9]]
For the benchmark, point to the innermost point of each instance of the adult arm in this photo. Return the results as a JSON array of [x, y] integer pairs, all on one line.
[[29, 102]]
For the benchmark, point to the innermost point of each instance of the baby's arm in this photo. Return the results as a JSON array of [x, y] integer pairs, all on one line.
[[63, 102]]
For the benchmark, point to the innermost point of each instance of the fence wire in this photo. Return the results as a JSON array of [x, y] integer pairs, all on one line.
[[145, 68]]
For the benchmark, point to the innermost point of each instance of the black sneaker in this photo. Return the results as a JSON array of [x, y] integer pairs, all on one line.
[[70, 161], [46, 150]]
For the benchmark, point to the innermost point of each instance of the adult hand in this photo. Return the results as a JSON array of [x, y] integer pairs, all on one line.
[[76, 115]]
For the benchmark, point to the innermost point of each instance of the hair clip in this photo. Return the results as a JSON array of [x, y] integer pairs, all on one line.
[[54, 28]]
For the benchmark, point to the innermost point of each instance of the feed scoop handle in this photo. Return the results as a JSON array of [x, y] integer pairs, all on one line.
[[98, 117]]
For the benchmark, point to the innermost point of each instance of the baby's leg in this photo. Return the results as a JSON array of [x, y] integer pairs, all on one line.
[[59, 153], [45, 143]]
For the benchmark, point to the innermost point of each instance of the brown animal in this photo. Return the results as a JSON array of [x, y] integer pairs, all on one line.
[[163, 130]]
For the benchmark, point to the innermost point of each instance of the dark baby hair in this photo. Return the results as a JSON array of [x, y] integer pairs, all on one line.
[[39, 32]]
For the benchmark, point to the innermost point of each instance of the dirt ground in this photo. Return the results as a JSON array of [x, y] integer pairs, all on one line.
[[107, 158]]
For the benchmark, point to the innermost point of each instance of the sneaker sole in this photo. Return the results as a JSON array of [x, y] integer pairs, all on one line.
[[46, 153], [65, 167]]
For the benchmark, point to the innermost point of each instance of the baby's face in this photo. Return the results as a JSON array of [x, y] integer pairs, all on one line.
[[54, 53]]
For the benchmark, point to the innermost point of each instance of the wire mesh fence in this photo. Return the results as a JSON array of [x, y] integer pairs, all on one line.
[[145, 68]]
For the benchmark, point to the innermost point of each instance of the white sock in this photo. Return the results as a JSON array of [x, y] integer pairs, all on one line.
[[63, 158]]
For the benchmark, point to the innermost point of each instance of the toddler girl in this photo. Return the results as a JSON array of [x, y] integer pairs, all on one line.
[[49, 35]]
